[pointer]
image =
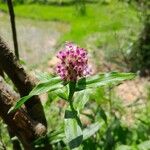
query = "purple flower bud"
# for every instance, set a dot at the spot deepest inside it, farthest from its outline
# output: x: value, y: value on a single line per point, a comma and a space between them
x: 73, y: 62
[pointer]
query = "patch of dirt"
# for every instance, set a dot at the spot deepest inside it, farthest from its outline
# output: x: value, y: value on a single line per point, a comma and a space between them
x: 37, y: 39
x: 133, y: 90
x: 1, y: 14
x: 133, y: 94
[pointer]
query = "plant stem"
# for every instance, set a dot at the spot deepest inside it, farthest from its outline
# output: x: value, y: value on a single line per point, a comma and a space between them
x: 110, y: 100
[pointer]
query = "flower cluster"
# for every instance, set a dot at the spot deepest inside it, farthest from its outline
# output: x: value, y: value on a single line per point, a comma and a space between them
x: 73, y: 63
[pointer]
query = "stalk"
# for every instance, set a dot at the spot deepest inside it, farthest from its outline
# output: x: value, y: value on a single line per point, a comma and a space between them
x: 72, y: 87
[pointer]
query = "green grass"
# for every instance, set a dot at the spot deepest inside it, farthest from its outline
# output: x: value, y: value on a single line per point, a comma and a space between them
x: 110, y: 28
x: 100, y: 18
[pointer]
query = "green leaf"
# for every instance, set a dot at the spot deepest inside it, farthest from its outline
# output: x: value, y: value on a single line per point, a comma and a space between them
x: 103, y: 79
x: 62, y: 93
x: 52, y: 137
x: 144, y: 145
x: 51, y: 97
x: 81, y: 84
x: 70, y: 114
x: 56, y: 136
x: 22, y: 62
x: 43, y: 76
x: 91, y: 130
x: 58, y: 94
x: 81, y: 98
x: 123, y: 147
x: 19, y: 103
x: 73, y: 133
x: 99, y: 95
x: 102, y: 114
x: 49, y: 86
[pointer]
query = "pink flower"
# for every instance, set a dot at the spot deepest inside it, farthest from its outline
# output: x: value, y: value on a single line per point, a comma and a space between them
x: 73, y: 62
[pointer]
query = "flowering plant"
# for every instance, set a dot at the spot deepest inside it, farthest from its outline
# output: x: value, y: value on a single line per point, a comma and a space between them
x: 73, y: 63
x: 74, y: 84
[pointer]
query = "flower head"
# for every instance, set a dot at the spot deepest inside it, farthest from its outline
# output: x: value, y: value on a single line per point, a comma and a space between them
x: 73, y: 62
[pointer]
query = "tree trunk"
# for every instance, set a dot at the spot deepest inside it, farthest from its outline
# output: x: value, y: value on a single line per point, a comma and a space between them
x: 1, y: 72
x: 26, y: 129
x: 15, y: 142
x: 22, y: 81
x: 27, y: 126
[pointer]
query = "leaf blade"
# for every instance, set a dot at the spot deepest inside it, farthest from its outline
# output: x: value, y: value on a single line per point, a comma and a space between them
x: 51, y: 85
x: 103, y: 80
x: 91, y: 130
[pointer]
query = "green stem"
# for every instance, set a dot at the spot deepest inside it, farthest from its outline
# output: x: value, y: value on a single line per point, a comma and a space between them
x: 72, y: 86
x: 110, y: 100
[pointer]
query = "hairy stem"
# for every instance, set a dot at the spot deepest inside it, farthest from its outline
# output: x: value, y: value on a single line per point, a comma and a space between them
x: 72, y: 86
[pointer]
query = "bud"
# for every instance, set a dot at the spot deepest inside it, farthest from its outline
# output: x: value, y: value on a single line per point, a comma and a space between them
x: 73, y: 62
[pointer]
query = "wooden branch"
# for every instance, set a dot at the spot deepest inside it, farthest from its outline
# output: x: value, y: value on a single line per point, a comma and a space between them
x: 22, y: 81
x: 1, y: 72
x: 15, y: 142
x: 13, y: 27
x: 26, y: 129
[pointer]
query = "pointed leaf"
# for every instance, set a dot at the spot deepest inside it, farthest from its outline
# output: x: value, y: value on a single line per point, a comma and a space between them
x: 49, y: 86
x: 73, y: 133
x: 91, y: 130
x: 81, y: 98
x: 62, y: 93
x: 70, y: 114
x: 103, y: 79
x: 43, y: 76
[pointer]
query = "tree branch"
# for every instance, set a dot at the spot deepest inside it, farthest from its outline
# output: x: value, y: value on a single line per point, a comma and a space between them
x: 22, y: 81
x: 26, y: 129
x: 13, y: 27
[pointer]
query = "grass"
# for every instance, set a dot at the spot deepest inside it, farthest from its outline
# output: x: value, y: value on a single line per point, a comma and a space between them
x: 100, y: 18
x: 110, y: 28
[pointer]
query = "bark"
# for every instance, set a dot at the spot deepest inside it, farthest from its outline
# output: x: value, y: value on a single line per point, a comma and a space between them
x: 22, y: 81
x: 1, y: 72
x: 13, y: 27
x: 24, y: 127
x: 15, y: 142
